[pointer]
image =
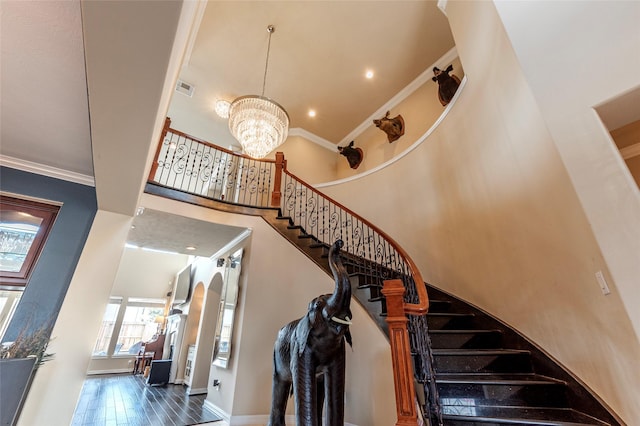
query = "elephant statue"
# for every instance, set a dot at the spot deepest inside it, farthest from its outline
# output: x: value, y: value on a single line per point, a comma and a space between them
x: 309, y: 356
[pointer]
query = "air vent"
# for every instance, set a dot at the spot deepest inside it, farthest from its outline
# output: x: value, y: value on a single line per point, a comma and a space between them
x: 185, y: 88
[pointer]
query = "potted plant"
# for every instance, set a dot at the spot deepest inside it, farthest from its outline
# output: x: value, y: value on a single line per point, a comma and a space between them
x: 18, y: 361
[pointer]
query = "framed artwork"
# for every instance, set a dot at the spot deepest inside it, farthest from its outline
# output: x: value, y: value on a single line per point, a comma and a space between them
x: 24, y: 227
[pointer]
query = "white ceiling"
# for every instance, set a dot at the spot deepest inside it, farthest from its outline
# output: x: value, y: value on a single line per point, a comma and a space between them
x: 75, y: 75
x: 43, y: 103
x: 162, y: 231
x: 319, y: 54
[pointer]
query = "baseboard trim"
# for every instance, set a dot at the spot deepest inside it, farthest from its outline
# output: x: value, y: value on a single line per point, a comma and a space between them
x: 256, y: 420
x: 116, y: 371
x: 196, y: 391
x: 263, y: 420
x: 216, y: 410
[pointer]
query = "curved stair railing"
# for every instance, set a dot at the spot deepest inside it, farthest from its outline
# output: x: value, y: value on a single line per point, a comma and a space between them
x: 193, y: 166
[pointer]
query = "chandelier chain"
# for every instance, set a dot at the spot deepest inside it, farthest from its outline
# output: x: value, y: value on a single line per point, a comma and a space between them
x: 270, y: 29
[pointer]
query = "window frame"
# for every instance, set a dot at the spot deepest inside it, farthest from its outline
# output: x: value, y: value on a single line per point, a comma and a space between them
x: 45, y: 211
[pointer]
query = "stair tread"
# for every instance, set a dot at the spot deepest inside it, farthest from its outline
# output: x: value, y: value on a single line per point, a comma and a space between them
x: 518, y: 415
x: 498, y: 379
x: 449, y: 314
x: 461, y: 331
x: 464, y: 352
x: 319, y: 245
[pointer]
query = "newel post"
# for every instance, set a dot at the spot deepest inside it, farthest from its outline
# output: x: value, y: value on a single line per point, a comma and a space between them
x: 277, y: 181
x: 400, y: 353
x: 154, y: 165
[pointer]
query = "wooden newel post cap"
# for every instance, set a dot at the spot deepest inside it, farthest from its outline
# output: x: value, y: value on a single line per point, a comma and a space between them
x: 394, y: 292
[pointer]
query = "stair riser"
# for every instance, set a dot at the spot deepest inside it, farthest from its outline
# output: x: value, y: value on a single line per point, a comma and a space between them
x: 439, y: 306
x: 510, y: 395
x: 466, y: 340
x: 445, y: 322
x: 507, y: 363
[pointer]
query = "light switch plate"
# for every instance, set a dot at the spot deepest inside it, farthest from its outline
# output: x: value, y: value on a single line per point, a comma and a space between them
x: 603, y: 283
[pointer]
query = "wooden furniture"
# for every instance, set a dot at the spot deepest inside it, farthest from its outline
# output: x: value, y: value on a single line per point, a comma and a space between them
x: 159, y: 372
x: 191, y: 352
x: 155, y: 345
x: 150, y: 351
x: 143, y: 360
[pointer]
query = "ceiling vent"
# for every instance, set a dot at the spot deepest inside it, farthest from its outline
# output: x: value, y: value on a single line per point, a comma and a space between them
x: 185, y: 88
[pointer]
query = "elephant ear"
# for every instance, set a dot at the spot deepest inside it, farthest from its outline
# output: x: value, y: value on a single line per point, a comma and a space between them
x: 302, y: 333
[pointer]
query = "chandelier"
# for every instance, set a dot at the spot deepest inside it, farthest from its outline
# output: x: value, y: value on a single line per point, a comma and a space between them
x: 257, y: 122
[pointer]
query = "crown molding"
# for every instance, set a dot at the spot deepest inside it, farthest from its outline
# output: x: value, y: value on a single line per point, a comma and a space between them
x: 299, y: 131
x: 392, y: 103
x: 630, y: 151
x: 398, y: 157
x: 401, y: 95
x: 42, y: 169
x: 442, y: 5
x: 198, y: 14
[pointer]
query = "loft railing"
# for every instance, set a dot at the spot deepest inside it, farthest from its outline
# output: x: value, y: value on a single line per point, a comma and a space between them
x: 197, y: 167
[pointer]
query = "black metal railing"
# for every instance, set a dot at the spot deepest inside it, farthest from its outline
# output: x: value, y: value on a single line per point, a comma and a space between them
x: 373, y: 255
x: 197, y: 167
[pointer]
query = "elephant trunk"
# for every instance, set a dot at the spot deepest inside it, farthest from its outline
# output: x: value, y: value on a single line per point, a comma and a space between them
x: 339, y: 302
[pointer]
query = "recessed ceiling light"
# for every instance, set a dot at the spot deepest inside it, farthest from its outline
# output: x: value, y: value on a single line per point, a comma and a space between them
x: 369, y: 74
x: 190, y: 248
x: 222, y: 108
x: 312, y: 113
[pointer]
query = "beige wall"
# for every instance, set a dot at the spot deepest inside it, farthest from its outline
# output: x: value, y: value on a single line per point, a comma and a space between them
x: 489, y: 212
x: 274, y: 271
x: 271, y: 300
x: 309, y: 161
x: 608, y: 34
x: 420, y: 110
x: 56, y: 386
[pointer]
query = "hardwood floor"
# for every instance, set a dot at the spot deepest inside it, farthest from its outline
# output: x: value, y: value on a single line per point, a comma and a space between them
x: 126, y: 400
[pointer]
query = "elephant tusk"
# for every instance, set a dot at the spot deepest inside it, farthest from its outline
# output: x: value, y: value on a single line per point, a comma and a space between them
x: 345, y: 321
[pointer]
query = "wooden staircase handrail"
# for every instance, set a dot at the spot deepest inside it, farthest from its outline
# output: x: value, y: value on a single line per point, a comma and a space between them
x: 419, y: 308
x: 394, y: 289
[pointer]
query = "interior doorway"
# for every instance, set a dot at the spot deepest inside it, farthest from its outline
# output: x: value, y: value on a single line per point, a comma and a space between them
x: 621, y: 117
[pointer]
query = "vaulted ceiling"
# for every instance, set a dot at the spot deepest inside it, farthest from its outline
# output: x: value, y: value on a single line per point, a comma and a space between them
x: 319, y: 55
x: 85, y: 84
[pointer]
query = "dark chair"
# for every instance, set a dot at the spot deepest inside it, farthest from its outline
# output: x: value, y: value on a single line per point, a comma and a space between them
x: 159, y: 373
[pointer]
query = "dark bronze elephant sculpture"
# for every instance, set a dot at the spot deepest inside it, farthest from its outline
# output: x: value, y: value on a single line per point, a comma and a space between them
x: 309, y: 356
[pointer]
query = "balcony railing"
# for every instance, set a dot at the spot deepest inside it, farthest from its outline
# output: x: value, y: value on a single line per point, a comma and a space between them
x: 197, y: 167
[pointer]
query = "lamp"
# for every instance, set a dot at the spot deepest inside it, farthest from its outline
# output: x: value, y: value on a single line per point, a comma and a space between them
x: 257, y: 122
x: 160, y: 321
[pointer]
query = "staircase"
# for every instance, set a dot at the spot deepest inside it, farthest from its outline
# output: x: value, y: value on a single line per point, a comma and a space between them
x: 485, y: 372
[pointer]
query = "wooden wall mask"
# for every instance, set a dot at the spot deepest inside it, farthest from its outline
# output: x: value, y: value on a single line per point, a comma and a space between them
x: 447, y: 84
x: 354, y: 155
x: 393, y: 127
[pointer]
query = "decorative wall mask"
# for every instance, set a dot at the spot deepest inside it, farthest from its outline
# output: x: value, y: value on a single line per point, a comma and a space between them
x: 354, y: 155
x: 447, y: 84
x: 393, y: 127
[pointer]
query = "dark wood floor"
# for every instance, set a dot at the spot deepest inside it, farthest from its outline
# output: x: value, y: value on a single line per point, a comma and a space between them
x: 126, y: 400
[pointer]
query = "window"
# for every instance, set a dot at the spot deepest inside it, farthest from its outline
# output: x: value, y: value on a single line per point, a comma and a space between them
x: 8, y: 302
x: 125, y: 324
x: 24, y: 227
x: 106, y: 330
x: 139, y: 323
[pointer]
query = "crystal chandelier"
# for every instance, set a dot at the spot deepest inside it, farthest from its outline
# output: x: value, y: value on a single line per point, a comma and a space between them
x: 257, y: 122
